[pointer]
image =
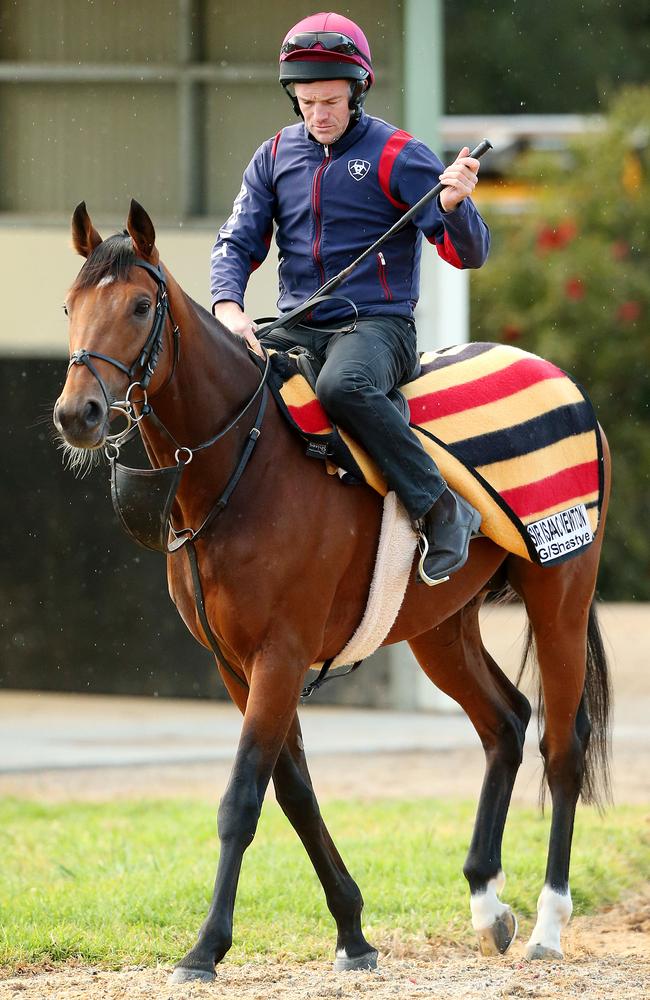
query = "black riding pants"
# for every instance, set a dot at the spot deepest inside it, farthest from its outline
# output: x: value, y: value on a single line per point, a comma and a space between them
x: 359, y: 368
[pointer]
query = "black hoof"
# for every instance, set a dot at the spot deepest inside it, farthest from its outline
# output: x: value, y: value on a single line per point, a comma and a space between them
x: 343, y: 963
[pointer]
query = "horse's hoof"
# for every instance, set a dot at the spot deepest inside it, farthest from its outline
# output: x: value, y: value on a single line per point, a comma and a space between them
x: 496, y: 940
x: 343, y: 963
x: 182, y: 975
x: 538, y: 952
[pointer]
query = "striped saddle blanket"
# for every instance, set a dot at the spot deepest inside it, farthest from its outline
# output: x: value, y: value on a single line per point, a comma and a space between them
x: 509, y: 431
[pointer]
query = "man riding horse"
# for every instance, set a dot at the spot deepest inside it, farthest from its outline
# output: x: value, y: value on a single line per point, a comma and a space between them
x: 332, y: 185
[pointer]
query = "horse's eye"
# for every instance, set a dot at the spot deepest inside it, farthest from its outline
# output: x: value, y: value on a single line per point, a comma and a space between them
x: 142, y: 308
x: 65, y: 309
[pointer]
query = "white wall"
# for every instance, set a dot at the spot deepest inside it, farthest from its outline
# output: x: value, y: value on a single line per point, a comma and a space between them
x: 42, y: 265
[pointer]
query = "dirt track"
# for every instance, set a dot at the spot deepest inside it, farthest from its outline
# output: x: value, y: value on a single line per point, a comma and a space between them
x: 607, y: 955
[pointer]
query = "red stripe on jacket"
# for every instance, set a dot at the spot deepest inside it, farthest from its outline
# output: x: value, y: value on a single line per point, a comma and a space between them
x: 267, y: 242
x: 389, y: 154
x: 569, y: 484
x: 488, y: 389
x: 447, y: 250
x: 274, y: 147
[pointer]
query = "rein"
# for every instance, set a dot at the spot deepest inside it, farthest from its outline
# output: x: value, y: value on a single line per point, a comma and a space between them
x: 132, y: 490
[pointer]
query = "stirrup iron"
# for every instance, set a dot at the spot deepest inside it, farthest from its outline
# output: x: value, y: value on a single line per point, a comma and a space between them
x: 423, y: 546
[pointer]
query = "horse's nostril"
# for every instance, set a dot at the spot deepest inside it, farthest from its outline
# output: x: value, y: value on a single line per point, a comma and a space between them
x: 92, y: 413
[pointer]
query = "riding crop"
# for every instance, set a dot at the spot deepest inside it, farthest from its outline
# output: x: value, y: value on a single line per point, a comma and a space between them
x: 287, y: 320
x: 334, y: 282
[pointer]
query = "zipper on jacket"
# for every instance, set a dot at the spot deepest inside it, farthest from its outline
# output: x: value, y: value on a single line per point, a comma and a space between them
x: 381, y: 268
x: 316, y: 209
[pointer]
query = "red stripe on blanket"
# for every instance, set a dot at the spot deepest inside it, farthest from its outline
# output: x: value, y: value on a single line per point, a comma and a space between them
x: 569, y: 484
x: 488, y: 389
x: 311, y: 417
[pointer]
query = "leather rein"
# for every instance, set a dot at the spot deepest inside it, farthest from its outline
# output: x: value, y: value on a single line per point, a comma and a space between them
x: 132, y: 490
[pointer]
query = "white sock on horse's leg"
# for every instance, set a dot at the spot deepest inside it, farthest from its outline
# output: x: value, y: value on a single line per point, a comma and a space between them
x: 553, y: 912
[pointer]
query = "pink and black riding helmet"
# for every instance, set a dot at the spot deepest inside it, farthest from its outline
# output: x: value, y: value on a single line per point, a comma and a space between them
x: 327, y: 47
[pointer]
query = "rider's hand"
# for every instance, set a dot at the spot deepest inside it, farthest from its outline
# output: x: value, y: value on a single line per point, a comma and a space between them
x: 238, y: 322
x: 460, y: 178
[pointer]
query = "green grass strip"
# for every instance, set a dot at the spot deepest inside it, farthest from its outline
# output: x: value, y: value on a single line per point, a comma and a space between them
x: 129, y: 883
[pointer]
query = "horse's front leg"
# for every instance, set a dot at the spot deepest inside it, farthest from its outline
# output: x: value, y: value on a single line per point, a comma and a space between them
x: 270, y: 707
x: 295, y: 794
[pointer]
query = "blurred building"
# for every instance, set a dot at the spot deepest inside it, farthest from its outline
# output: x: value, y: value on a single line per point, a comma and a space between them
x: 104, y: 101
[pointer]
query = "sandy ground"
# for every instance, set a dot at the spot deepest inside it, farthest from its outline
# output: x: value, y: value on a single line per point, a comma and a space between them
x: 607, y: 955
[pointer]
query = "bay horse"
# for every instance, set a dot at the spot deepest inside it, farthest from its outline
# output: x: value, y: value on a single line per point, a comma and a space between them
x: 285, y: 570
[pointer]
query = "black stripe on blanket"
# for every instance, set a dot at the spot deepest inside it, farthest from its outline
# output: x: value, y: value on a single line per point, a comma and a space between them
x: 539, y: 432
x: 444, y: 360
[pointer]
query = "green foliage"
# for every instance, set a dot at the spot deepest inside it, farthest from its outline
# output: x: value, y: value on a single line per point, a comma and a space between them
x: 569, y: 280
x: 513, y: 56
x: 124, y: 883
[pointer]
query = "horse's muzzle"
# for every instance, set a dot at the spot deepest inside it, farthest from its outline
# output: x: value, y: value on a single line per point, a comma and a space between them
x: 81, y: 423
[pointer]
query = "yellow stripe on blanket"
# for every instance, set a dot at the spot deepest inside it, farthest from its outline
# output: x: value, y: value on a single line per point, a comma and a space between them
x: 547, y: 461
x: 508, y: 430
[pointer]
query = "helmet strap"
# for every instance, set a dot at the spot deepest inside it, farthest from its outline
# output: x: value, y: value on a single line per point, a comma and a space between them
x: 292, y: 97
x: 358, y: 93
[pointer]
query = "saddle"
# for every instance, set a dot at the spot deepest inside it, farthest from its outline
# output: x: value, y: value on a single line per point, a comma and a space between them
x: 510, y: 432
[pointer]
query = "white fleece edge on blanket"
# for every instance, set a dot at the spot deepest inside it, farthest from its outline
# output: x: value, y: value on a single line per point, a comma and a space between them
x: 397, y: 544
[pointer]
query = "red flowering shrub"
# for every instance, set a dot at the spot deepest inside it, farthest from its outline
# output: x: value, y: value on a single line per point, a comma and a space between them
x: 629, y: 312
x: 575, y: 289
x: 568, y: 279
x: 556, y: 237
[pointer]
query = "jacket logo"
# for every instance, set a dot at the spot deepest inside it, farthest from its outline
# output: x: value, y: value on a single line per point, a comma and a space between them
x: 358, y: 169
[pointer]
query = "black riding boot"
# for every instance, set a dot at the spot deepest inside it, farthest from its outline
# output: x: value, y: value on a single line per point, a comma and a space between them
x: 445, y: 534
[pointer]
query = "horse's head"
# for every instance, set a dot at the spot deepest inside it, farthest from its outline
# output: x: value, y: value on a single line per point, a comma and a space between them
x: 118, y: 312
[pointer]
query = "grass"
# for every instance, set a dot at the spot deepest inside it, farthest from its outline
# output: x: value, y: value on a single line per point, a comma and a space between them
x: 129, y: 883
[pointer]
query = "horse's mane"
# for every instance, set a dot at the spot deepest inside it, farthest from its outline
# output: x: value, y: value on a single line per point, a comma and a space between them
x: 113, y: 258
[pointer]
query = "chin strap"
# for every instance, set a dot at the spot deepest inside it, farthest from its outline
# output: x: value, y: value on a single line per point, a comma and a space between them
x: 357, y: 98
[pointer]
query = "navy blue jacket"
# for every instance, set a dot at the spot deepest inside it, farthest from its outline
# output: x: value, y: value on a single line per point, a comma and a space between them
x: 328, y: 205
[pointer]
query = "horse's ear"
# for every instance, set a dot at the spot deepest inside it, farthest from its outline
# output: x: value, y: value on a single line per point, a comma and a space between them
x: 142, y: 233
x: 85, y: 237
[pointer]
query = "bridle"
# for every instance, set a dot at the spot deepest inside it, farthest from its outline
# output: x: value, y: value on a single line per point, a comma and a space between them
x: 145, y: 363
x: 127, y: 495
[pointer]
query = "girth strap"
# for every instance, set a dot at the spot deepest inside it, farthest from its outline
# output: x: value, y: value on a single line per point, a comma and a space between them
x: 323, y: 678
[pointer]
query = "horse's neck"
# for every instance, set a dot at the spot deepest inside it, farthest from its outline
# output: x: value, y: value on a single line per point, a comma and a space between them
x: 212, y: 382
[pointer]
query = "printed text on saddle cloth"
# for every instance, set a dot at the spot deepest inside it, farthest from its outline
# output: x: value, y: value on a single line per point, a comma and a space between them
x: 560, y: 534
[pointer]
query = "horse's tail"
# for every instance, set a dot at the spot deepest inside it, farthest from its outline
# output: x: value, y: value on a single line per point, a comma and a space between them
x: 595, y: 703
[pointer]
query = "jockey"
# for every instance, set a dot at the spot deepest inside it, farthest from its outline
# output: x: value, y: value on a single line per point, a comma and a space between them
x: 332, y: 185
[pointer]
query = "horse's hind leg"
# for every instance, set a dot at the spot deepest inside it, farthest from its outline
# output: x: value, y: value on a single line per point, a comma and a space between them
x: 295, y: 794
x: 569, y: 652
x: 453, y: 656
